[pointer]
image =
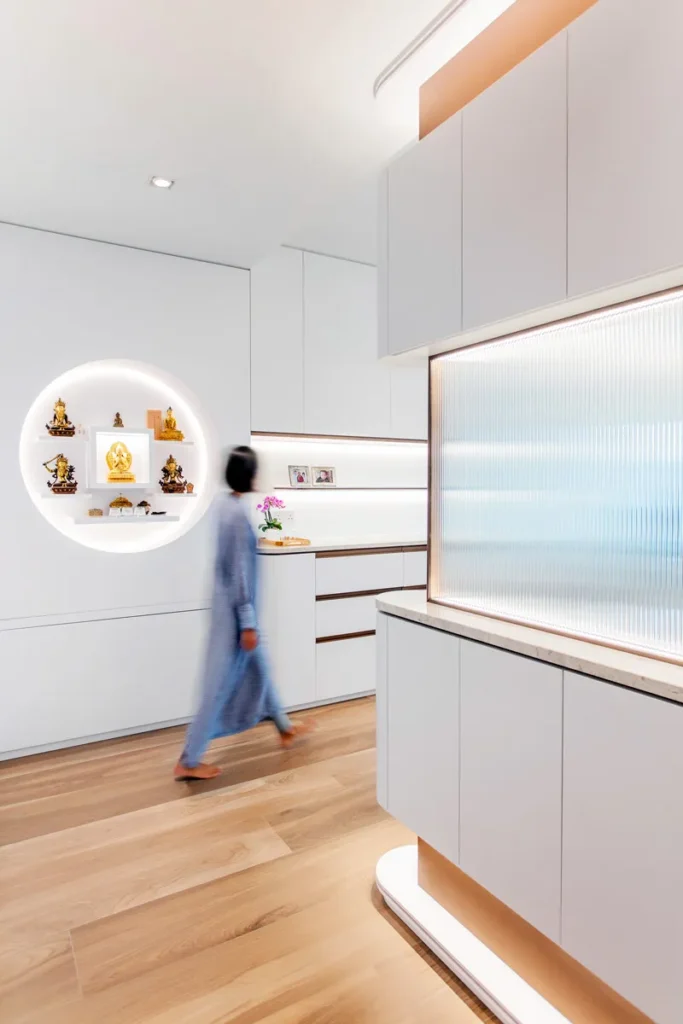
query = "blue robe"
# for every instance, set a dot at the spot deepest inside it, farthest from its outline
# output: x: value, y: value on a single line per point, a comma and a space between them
x: 237, y: 688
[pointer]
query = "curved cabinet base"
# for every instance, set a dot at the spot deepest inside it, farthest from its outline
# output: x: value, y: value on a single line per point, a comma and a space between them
x: 485, y: 974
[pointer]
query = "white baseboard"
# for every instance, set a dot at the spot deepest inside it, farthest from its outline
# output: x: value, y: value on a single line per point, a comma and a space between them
x: 485, y: 974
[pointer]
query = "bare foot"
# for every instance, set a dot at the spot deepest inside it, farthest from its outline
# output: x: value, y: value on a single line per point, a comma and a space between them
x: 182, y: 773
x: 297, y: 732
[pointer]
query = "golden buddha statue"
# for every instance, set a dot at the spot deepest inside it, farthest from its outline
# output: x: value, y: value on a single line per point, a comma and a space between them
x: 172, y: 479
x: 170, y: 430
x: 61, y: 425
x: 118, y: 422
x: 62, y: 473
x: 119, y: 460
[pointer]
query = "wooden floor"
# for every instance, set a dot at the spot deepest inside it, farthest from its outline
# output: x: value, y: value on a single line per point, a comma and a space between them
x: 126, y: 898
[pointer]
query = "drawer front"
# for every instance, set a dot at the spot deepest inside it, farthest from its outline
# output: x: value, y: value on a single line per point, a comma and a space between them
x: 356, y: 573
x: 415, y: 569
x: 345, y: 668
x: 345, y: 615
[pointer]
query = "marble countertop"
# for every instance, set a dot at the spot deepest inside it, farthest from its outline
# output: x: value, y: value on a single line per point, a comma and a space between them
x: 343, y: 546
x: 635, y: 671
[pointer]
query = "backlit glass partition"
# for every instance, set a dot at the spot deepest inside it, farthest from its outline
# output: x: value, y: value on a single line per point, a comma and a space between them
x: 557, y: 477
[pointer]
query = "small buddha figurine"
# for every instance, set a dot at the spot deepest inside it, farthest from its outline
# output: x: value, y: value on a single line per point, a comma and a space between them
x: 172, y: 479
x: 118, y: 422
x: 61, y: 425
x: 119, y: 460
x: 62, y: 472
x: 170, y: 430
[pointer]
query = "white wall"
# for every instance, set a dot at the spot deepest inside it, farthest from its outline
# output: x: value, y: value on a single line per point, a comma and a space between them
x: 63, y: 302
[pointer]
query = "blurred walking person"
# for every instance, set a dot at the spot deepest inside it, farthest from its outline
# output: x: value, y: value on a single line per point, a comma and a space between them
x: 238, y: 691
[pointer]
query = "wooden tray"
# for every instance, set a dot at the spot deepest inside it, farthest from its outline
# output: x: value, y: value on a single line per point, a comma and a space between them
x: 285, y: 542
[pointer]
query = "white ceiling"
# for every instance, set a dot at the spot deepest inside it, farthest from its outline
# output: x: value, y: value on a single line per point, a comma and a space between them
x: 261, y: 110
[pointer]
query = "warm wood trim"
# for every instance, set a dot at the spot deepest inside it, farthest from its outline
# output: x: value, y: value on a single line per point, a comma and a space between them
x: 508, y: 41
x: 345, y: 636
x: 335, y: 488
x: 561, y: 980
x: 337, y: 437
x: 355, y: 552
x: 367, y: 593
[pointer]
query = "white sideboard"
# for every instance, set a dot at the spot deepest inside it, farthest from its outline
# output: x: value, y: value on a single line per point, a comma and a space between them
x: 319, y: 617
x: 556, y: 791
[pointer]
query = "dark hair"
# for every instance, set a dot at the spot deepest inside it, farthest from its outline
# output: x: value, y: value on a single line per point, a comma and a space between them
x: 241, y: 469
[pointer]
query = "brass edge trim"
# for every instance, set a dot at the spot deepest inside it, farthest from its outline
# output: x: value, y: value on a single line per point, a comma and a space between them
x: 355, y: 552
x: 345, y: 636
x: 367, y: 593
x: 337, y: 437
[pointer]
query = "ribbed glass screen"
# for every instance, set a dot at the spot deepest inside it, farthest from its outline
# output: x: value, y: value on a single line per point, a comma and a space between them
x: 557, y: 477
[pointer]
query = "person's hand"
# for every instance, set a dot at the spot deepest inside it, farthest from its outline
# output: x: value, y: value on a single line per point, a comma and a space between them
x: 249, y: 640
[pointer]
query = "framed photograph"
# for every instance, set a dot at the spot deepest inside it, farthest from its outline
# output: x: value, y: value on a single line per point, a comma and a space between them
x: 299, y: 476
x: 324, y: 476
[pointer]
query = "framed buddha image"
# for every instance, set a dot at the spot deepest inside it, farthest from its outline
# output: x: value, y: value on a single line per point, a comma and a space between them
x: 120, y: 458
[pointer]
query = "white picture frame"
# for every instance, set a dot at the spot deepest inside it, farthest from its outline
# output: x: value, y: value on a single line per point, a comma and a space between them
x: 295, y: 475
x: 139, y: 441
x: 323, y: 476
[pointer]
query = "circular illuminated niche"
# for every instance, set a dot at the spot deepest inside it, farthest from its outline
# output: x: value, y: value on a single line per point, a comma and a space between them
x: 94, y: 393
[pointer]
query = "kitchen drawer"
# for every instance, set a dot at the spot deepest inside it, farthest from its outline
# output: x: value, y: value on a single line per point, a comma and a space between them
x: 414, y: 568
x: 345, y: 668
x: 345, y: 615
x: 353, y: 574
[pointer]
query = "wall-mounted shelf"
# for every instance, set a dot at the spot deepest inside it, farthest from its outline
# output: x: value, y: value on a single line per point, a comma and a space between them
x: 335, y: 437
x: 176, y: 444
x: 58, y: 440
x: 124, y: 520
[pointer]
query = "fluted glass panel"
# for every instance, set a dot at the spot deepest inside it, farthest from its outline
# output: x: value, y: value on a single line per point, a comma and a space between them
x: 557, y: 477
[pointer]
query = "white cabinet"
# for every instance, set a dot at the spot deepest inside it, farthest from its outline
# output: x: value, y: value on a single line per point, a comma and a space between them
x: 288, y: 617
x: 622, y: 908
x: 511, y: 780
x: 346, y: 388
x: 353, y: 574
x: 422, y: 727
x: 515, y: 190
x: 277, y: 385
x: 410, y: 402
x: 345, y: 668
x: 625, y: 142
x: 424, y: 241
x: 414, y: 568
x: 345, y: 615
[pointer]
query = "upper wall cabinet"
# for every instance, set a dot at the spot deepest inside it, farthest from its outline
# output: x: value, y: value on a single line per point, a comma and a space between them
x: 625, y: 142
x: 423, y: 247
x: 346, y: 389
x: 277, y: 386
x: 515, y: 190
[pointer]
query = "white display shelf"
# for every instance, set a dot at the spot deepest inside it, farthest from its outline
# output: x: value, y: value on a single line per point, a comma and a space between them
x: 176, y: 444
x: 58, y: 440
x: 160, y: 494
x: 61, y: 497
x: 124, y: 520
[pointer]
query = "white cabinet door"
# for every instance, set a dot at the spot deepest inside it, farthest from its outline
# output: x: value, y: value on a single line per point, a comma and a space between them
x: 345, y: 668
x: 515, y: 190
x: 381, y: 707
x: 414, y: 568
x: 422, y: 727
x: 622, y: 906
x: 353, y: 574
x: 277, y: 387
x: 511, y: 780
x: 625, y: 142
x: 410, y: 402
x: 424, y: 251
x: 346, y: 388
x: 288, y: 617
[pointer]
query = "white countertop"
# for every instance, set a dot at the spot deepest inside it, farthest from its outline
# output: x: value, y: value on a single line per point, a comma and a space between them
x: 343, y: 546
x: 632, y: 670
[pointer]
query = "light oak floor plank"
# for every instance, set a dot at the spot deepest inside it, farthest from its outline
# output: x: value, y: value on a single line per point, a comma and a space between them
x: 128, y: 899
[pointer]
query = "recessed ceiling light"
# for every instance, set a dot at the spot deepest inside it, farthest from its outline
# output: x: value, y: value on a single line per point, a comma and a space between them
x: 161, y: 182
